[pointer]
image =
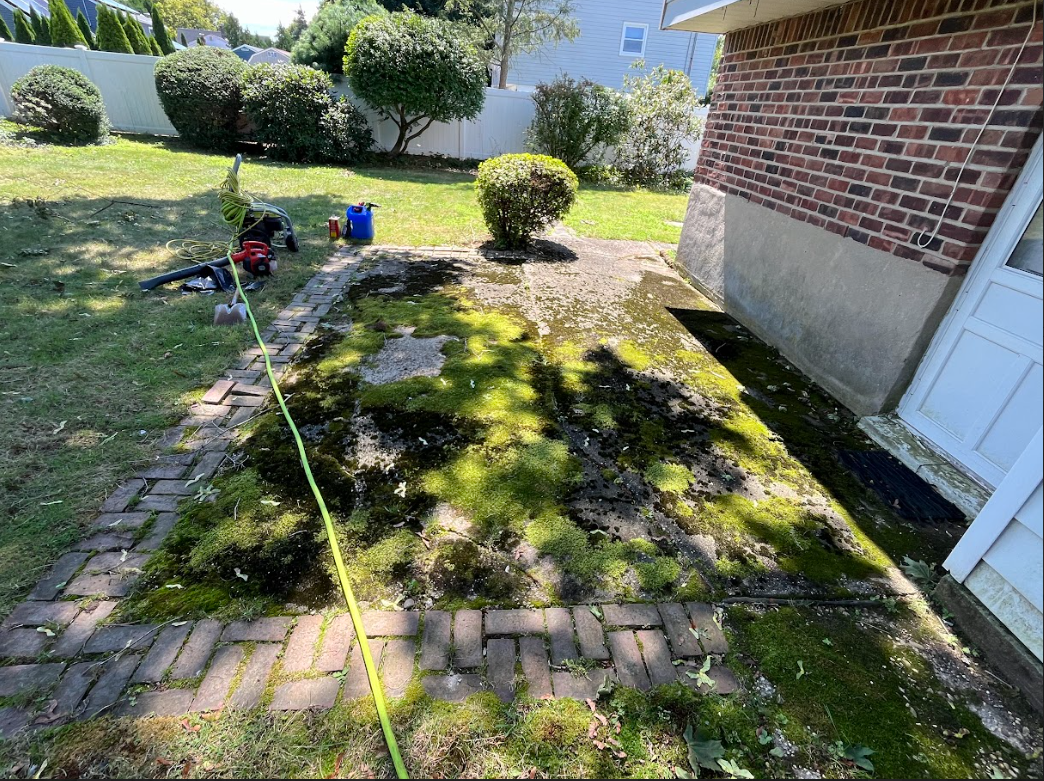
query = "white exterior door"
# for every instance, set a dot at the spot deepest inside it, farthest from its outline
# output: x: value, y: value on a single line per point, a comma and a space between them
x: 978, y: 392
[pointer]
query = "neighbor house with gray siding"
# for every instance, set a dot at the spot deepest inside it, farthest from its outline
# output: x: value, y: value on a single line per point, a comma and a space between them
x: 613, y: 35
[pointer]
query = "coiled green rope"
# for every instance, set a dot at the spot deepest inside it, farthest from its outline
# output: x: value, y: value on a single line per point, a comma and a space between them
x: 342, y: 573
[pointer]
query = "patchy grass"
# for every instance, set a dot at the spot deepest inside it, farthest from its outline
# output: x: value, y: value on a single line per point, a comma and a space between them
x: 93, y: 370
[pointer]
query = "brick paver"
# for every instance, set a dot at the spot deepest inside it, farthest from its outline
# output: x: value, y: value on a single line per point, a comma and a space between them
x: 514, y: 622
x: 500, y: 667
x: 310, y: 694
x: 61, y: 573
x: 631, y: 615
x: 77, y: 633
x: 336, y: 642
x: 535, y: 669
x: 109, y: 639
x: 435, y: 645
x: 677, y: 626
x: 378, y: 623
x: 657, y: 656
x: 162, y: 654
x: 590, y: 634
x: 397, y: 666
x: 196, y: 653
x: 255, y: 676
x: 114, y: 677
x: 560, y: 631
x: 19, y: 678
x: 467, y: 638
x: 218, y: 681
x: 711, y: 637
x: 628, y: 660
x: 300, y: 650
x: 41, y: 613
x: 268, y: 630
x: 454, y: 687
x: 172, y: 702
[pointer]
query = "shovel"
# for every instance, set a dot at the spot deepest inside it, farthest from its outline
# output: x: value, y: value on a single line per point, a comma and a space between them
x: 230, y: 314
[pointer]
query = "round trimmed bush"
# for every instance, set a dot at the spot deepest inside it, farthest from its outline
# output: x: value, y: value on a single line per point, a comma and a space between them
x: 200, y: 89
x: 293, y: 115
x: 285, y: 104
x: 61, y: 101
x: 522, y: 194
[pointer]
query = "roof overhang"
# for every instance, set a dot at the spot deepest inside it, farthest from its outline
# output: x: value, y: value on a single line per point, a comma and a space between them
x: 722, y: 16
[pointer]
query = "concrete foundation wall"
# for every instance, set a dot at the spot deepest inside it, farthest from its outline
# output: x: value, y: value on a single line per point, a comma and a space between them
x: 855, y: 319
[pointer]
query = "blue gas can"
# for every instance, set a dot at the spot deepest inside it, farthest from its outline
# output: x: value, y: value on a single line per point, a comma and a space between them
x: 359, y: 222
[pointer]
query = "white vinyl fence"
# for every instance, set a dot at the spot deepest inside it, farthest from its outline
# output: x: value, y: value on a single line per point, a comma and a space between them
x: 124, y: 80
x: 129, y: 90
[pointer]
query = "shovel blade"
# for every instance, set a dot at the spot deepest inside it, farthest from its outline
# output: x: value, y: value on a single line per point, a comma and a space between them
x: 230, y: 315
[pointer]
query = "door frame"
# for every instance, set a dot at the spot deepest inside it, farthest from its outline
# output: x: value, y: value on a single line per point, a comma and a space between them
x: 1018, y: 209
x: 1013, y: 492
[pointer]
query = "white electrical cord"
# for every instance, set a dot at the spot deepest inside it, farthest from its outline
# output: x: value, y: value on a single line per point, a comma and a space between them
x: 935, y: 232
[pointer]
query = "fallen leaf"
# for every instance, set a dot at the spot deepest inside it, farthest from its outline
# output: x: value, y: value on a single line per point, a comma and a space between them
x: 173, y: 585
x: 189, y: 726
x: 60, y: 427
x: 195, y: 479
x: 239, y: 574
x: 271, y: 502
x: 48, y: 504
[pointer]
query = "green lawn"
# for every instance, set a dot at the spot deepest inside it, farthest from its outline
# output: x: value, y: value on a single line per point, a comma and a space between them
x: 92, y: 370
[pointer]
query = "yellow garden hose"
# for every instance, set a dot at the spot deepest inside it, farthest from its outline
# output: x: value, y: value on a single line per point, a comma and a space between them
x: 230, y: 215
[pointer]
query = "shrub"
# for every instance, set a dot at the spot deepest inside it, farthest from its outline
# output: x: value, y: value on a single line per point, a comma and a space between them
x: 5, y: 31
x: 346, y: 133
x: 521, y: 194
x: 61, y: 101
x: 159, y: 31
x: 322, y: 43
x: 200, y: 89
x: 135, y: 34
x: 662, y: 108
x: 23, y: 28
x: 64, y: 32
x: 111, y: 36
x: 41, y: 28
x: 575, y: 118
x: 414, y: 71
x: 85, y: 28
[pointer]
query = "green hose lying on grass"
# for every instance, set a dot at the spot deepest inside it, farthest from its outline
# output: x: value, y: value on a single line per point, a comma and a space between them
x: 234, y: 206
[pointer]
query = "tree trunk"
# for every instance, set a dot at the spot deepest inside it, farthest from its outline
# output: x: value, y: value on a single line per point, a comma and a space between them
x: 505, y: 45
x: 400, y: 141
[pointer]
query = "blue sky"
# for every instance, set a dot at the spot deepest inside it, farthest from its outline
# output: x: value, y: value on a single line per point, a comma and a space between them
x: 262, y: 16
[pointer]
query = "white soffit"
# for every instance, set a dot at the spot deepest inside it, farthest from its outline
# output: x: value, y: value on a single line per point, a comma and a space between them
x: 722, y: 16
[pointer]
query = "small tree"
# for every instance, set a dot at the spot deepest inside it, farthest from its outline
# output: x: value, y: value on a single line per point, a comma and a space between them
x: 23, y: 28
x: 5, y: 31
x: 518, y: 26
x: 85, y: 29
x: 41, y: 28
x: 155, y: 47
x: 136, y: 35
x: 111, y: 36
x: 64, y: 31
x: 574, y: 119
x: 183, y: 41
x: 159, y: 30
x: 414, y: 71
x: 662, y: 108
x: 322, y: 44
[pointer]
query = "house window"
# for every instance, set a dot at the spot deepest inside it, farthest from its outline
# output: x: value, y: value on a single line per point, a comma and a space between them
x: 632, y: 41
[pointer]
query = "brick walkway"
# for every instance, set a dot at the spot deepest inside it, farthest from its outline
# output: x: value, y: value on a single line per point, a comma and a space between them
x: 59, y: 648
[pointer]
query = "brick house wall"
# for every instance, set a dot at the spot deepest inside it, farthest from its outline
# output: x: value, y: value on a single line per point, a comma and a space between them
x: 857, y: 119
